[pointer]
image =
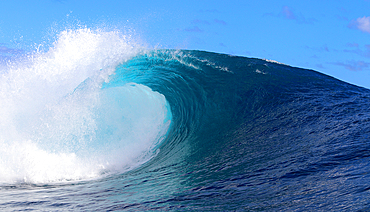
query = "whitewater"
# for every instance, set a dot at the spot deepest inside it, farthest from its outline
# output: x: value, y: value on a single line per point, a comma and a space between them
x: 97, y: 122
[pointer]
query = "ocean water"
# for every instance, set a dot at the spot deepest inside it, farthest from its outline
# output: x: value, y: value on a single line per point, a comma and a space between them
x: 98, y: 123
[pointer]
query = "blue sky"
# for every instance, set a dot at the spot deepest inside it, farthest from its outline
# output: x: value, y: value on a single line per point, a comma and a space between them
x: 331, y: 36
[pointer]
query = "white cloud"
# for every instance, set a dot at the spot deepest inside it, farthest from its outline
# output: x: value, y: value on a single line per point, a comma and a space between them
x: 193, y: 29
x: 218, y: 21
x: 354, y: 65
x: 5, y: 50
x: 288, y: 13
x: 362, y: 24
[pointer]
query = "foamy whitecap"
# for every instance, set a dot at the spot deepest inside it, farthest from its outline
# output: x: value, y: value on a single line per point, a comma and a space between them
x: 58, y: 124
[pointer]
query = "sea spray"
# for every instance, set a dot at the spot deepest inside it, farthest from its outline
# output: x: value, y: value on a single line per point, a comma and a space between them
x: 58, y: 124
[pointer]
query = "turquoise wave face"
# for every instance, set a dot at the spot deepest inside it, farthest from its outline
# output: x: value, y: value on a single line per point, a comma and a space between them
x: 248, y: 133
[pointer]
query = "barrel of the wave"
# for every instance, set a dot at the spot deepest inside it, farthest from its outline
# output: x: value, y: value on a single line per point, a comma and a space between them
x: 204, y: 104
x: 132, y: 121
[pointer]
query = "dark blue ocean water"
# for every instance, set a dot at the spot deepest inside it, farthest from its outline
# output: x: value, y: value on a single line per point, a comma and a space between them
x: 245, y: 134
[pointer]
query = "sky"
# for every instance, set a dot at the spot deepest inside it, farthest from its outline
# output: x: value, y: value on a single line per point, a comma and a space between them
x: 330, y: 36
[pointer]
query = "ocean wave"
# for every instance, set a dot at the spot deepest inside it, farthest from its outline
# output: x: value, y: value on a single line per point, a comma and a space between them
x: 180, y: 130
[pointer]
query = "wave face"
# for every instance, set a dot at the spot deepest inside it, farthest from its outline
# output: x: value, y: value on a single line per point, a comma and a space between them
x: 121, y: 128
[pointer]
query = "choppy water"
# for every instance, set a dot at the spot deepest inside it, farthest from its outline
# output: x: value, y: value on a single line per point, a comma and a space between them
x: 97, y: 123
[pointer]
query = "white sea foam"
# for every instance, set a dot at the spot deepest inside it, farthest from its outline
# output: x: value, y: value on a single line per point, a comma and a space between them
x: 57, y: 124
